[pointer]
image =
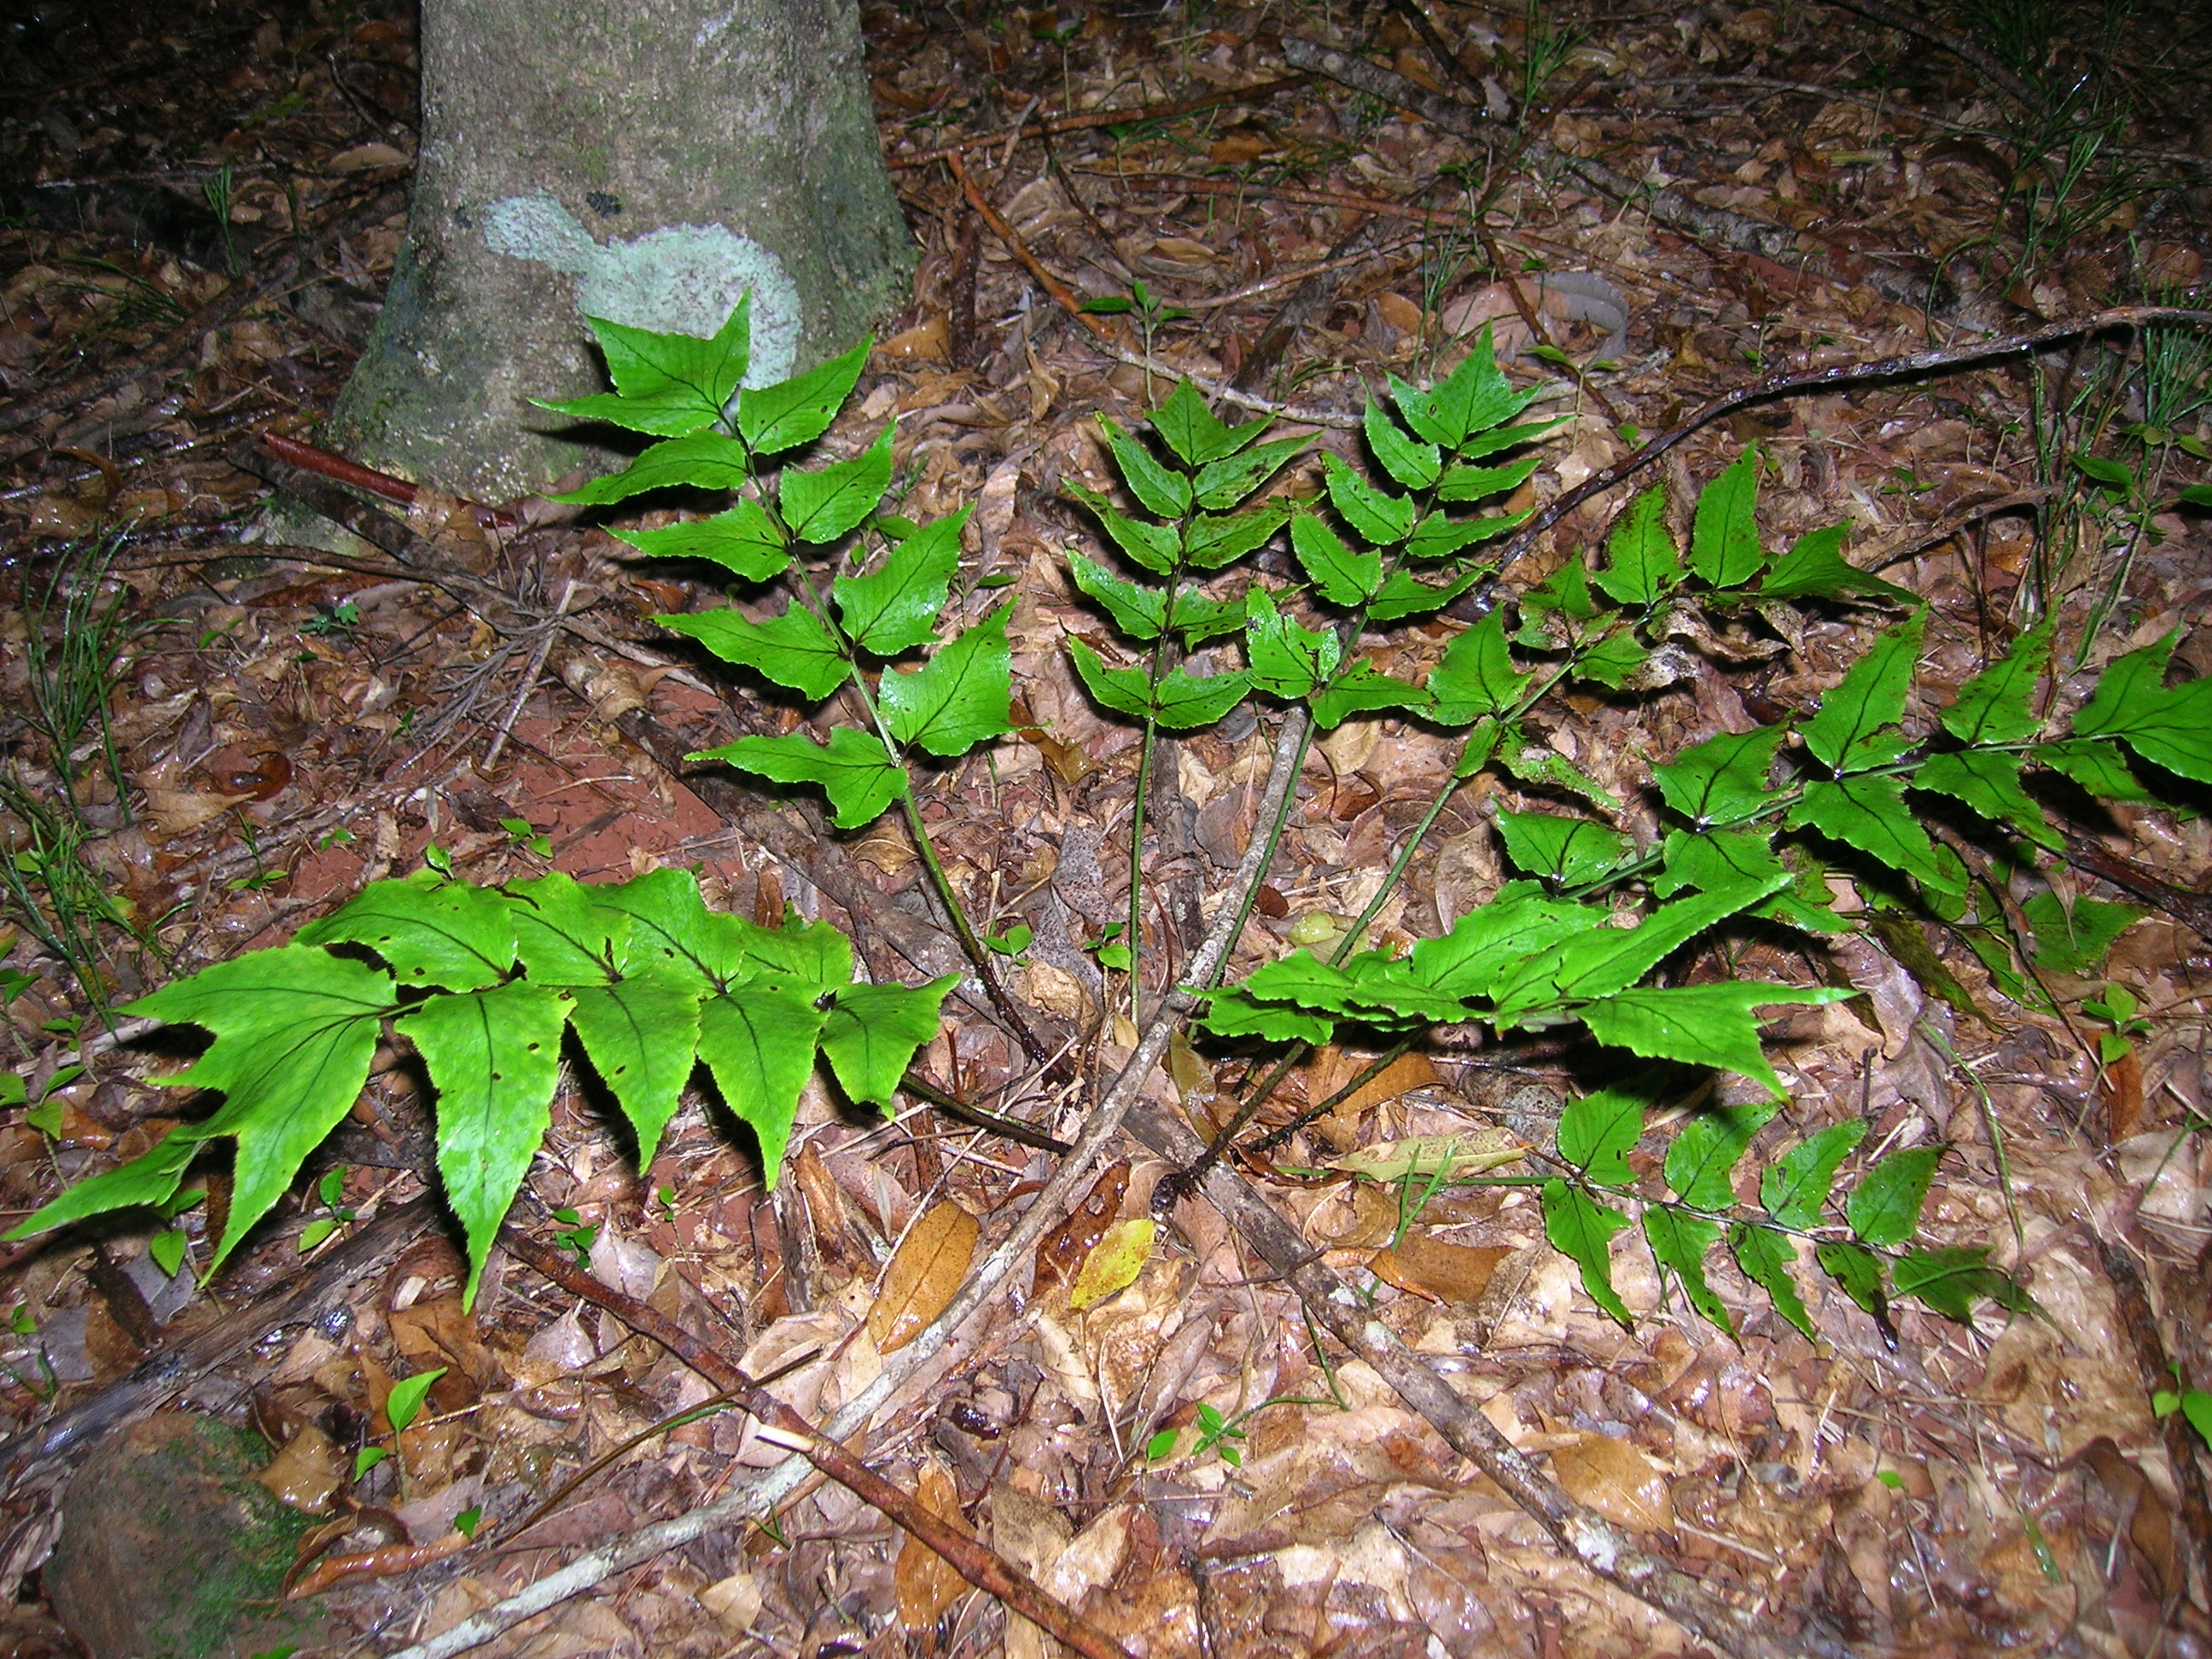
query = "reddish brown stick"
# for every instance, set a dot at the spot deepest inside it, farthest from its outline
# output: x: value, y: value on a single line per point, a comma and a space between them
x: 1150, y: 179
x: 981, y: 1566
x: 1064, y: 296
x: 1102, y: 118
x: 312, y: 460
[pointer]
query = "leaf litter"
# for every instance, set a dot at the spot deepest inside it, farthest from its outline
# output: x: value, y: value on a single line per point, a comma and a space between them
x: 1897, y: 1477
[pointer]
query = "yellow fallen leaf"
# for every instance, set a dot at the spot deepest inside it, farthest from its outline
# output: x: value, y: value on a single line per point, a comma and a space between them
x: 1468, y: 1154
x: 1114, y: 1263
x: 1616, y: 1481
x: 924, y: 1276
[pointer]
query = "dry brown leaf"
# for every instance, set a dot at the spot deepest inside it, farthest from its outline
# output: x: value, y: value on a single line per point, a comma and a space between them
x: 308, y: 1473
x: 734, y: 1602
x: 1471, y: 1153
x: 364, y: 158
x: 1445, y: 1273
x: 924, y: 340
x: 924, y: 1275
x: 1616, y: 1481
x: 1333, y: 1068
x: 1063, y: 1250
x: 925, y: 1581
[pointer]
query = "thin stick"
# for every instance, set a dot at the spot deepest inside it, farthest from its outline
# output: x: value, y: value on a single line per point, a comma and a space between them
x: 1919, y: 365
x: 984, y: 1568
x: 530, y: 674
x: 367, y: 477
x: 1165, y: 181
x: 1098, y: 118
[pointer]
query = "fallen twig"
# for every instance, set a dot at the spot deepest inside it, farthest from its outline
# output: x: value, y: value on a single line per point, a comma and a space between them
x: 1098, y: 118
x: 980, y: 1565
x: 313, y: 460
x: 1918, y: 366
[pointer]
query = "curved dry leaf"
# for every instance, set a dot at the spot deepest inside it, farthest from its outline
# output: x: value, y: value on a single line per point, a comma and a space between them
x: 1114, y: 1263
x: 1616, y: 1481
x: 924, y: 1275
x: 1455, y: 1155
x: 1443, y: 1273
x: 926, y: 1584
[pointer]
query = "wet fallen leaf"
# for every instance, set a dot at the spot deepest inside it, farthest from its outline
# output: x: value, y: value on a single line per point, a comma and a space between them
x: 1114, y: 1263
x: 308, y: 1473
x: 923, y: 1275
x: 1430, y: 1266
x: 1063, y: 1250
x: 1453, y: 1156
x: 1616, y: 1481
x: 923, y: 340
x: 925, y: 1581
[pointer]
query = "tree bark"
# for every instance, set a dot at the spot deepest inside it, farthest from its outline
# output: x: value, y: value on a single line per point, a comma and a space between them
x: 647, y: 162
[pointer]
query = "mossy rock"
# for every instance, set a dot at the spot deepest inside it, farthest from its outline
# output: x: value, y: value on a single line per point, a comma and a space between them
x: 170, y: 1549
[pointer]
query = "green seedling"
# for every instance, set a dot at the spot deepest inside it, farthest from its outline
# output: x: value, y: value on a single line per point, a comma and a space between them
x: 576, y: 1234
x: 2117, y: 1008
x: 522, y: 834
x: 330, y: 1189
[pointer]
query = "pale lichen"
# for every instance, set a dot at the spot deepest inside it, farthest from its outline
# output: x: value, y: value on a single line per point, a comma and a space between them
x: 680, y: 279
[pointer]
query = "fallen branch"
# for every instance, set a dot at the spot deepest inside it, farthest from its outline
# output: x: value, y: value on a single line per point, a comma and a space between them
x: 1098, y: 118
x: 1920, y: 365
x: 982, y: 1567
x: 1056, y: 1197
x: 398, y: 491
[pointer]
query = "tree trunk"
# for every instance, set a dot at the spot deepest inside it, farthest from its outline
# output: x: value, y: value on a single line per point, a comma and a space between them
x: 647, y: 162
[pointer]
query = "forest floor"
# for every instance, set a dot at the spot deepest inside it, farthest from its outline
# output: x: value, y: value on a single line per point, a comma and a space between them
x: 285, y: 726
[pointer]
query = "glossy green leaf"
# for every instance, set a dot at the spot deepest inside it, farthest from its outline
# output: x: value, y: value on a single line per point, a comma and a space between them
x: 1223, y: 484
x: 774, y: 418
x: 873, y: 1031
x: 1571, y: 851
x: 1613, y: 661
x: 1152, y: 547
x: 1362, y: 688
x: 1139, y: 611
x: 564, y: 935
x: 641, y: 1034
x: 1715, y: 859
x: 1413, y: 465
x: 758, y: 1044
x: 895, y: 607
x: 1194, y: 434
x: 1287, y: 661
x: 1232, y: 1013
x: 821, y: 506
x: 1795, y: 1187
x: 1581, y: 1229
x: 1723, y: 779
x: 705, y: 460
x: 1341, y: 575
x: 1884, y: 1209
x: 1857, y: 1272
x: 854, y: 769
x: 1853, y: 730
x: 962, y: 696
x: 1870, y: 813
x: 1989, y: 781
x: 744, y: 540
x: 1707, y: 1148
x: 1212, y: 540
x: 1952, y: 1279
x: 1724, y: 536
x: 1477, y: 675
x: 150, y: 1178
x: 1814, y: 569
x: 666, y: 384
x: 495, y: 1057
x: 1162, y: 493
x: 2075, y: 939
x: 1403, y: 594
x: 2170, y: 728
x: 429, y: 931
x: 404, y: 1403
x: 1472, y: 400
x: 1993, y: 706
x: 1597, y: 1131
x: 1180, y: 702
x: 1375, y: 515
x: 672, y: 934
x: 794, y: 649
x: 1494, y: 940
x: 1698, y: 1024
x: 1679, y: 1244
x: 1440, y: 536
x: 1766, y: 1257
x: 1606, y: 960
x: 2096, y: 765
x: 1475, y: 484
x: 1642, y: 561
